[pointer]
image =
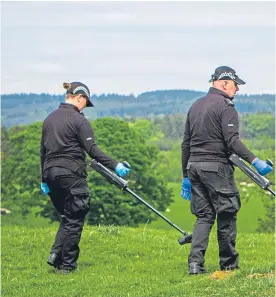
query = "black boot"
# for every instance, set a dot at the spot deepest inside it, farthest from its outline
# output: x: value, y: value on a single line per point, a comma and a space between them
x: 54, y: 260
x: 195, y: 268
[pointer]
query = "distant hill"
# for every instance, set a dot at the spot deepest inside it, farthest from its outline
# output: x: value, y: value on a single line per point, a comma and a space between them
x: 23, y: 109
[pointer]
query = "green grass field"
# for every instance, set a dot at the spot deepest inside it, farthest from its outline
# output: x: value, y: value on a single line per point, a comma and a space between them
x: 145, y: 261
x: 119, y: 261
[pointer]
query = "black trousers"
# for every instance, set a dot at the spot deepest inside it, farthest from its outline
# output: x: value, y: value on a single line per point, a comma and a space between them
x: 214, y: 195
x: 70, y: 195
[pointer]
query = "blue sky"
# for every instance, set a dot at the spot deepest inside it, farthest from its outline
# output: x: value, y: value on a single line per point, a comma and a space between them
x: 134, y: 47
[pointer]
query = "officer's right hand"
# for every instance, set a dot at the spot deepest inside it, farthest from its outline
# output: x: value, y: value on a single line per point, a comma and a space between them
x: 186, y: 188
x: 121, y: 170
x: 45, y: 189
x: 261, y: 166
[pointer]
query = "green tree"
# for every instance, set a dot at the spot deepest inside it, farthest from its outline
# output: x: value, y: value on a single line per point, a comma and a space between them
x: 4, y: 142
x: 144, y: 127
x: 258, y: 125
x: 173, y: 126
x: 108, y: 204
x: 21, y: 170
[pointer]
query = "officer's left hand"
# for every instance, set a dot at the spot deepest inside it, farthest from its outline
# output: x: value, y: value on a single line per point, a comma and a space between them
x: 186, y: 188
x: 45, y: 189
x: 122, y: 170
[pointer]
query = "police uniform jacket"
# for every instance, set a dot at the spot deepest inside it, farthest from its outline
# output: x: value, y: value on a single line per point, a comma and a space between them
x: 66, y: 138
x: 212, y: 131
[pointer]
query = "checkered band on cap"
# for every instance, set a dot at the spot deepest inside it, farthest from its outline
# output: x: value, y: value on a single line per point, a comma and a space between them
x: 81, y: 88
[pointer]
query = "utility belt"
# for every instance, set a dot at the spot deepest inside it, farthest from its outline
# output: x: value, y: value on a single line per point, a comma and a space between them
x: 76, y: 165
x: 208, y: 158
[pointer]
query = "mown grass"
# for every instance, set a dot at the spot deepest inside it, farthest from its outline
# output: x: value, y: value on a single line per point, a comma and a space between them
x: 120, y: 261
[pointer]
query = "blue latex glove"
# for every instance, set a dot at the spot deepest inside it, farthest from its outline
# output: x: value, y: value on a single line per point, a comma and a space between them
x: 121, y: 170
x: 44, y: 187
x: 261, y: 166
x: 186, y: 189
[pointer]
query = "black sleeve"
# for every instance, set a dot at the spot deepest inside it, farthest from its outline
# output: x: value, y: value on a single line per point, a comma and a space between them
x: 185, y: 146
x: 230, y: 130
x: 86, y: 139
x: 42, y: 154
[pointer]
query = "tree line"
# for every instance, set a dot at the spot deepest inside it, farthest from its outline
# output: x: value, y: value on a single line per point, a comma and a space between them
x: 22, y: 109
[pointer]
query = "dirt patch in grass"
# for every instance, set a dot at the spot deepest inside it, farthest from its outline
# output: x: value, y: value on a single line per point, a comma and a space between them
x: 221, y: 275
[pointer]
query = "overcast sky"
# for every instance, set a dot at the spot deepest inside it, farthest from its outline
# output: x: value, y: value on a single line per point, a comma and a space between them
x: 134, y: 47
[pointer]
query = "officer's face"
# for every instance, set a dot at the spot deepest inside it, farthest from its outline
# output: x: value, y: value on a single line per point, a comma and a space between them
x: 231, y: 88
x: 82, y: 102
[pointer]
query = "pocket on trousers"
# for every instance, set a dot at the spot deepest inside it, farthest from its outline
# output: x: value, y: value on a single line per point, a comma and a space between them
x: 228, y: 201
x: 80, y: 201
x: 210, y: 167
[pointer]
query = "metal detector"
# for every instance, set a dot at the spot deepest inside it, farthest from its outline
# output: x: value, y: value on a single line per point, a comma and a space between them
x: 123, y: 185
x: 256, y: 177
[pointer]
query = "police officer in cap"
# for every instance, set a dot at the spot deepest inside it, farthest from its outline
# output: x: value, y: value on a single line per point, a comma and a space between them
x: 66, y: 138
x: 211, y: 135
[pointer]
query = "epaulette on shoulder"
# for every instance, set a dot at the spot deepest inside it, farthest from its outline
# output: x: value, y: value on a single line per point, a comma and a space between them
x: 229, y: 102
